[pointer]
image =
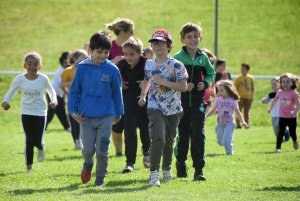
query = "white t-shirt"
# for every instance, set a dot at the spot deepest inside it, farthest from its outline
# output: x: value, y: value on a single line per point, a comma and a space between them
x: 33, y: 100
x: 56, y: 82
x: 269, y: 99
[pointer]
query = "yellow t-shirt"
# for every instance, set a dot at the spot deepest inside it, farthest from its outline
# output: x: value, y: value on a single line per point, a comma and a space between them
x: 68, y: 74
x: 245, y: 86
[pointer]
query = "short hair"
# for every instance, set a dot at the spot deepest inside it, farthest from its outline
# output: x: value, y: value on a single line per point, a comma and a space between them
x: 63, y: 57
x: 120, y: 24
x: 220, y: 62
x: 76, y: 54
x: 212, y: 58
x: 189, y: 27
x: 100, y: 40
x: 246, y: 65
x: 147, y: 50
x: 34, y: 55
x: 133, y: 43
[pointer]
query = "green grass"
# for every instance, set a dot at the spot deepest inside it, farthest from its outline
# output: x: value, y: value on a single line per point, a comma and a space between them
x: 263, y: 33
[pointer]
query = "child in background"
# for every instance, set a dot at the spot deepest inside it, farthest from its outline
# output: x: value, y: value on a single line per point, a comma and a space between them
x: 244, y: 85
x: 95, y: 101
x: 275, y: 112
x: 289, y: 106
x: 165, y: 78
x: 222, y: 73
x: 191, y: 126
x: 33, y: 105
x: 66, y: 80
x: 132, y: 70
x: 59, y: 110
x: 123, y: 29
x: 148, y: 53
x: 226, y: 104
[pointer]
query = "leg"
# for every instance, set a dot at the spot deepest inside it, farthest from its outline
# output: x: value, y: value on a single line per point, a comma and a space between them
x: 103, y: 126
x: 292, y: 124
x: 50, y: 112
x: 228, y: 138
x: 117, y: 136
x: 61, y: 112
x: 143, y: 123
x: 247, y: 106
x: 130, y: 135
x: 157, y: 134
x: 88, y: 141
x: 241, y: 106
x: 220, y: 133
x: 283, y: 122
x: 28, y: 128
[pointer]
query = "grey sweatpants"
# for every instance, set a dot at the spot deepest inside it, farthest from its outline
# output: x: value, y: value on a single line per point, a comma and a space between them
x: 162, y: 131
x: 225, y: 136
x: 95, y: 139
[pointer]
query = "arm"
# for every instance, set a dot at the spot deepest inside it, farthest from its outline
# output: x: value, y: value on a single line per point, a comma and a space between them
x: 240, y: 118
x: 266, y: 99
x: 180, y: 85
x: 74, y: 93
x: 51, y: 93
x: 211, y: 112
x: 116, y: 86
x: 295, y: 111
x: 273, y: 103
x: 145, y: 88
x: 252, y: 88
x: 14, y: 87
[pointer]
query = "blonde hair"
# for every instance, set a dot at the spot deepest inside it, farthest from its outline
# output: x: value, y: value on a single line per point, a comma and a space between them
x: 34, y: 55
x: 229, y: 87
x: 76, y: 54
x: 189, y: 27
x: 120, y: 24
x: 291, y: 76
x: 134, y: 43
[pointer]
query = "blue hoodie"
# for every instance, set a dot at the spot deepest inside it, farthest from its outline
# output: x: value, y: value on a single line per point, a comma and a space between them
x: 96, y: 90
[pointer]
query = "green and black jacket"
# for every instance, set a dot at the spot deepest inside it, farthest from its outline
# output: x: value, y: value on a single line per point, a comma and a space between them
x: 199, y: 70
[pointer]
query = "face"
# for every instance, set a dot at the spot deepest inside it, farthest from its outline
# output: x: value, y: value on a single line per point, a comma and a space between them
x: 286, y: 83
x: 160, y: 48
x: 192, y: 40
x: 274, y: 85
x: 32, y: 65
x: 222, y: 92
x: 131, y: 56
x: 222, y: 68
x: 244, y: 70
x: 149, y: 55
x: 99, y: 55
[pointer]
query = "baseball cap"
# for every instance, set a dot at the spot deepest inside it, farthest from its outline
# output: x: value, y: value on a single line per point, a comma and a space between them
x: 161, y: 34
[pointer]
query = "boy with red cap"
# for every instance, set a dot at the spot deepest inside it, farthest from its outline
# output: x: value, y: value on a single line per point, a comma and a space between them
x: 165, y: 79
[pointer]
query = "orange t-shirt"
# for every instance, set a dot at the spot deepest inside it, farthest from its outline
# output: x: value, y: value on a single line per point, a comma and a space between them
x: 68, y: 74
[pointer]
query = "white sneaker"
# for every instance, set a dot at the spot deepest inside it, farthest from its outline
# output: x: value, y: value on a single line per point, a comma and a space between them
x: 30, y: 170
x: 167, y: 175
x: 41, y: 155
x: 78, y: 145
x: 154, y: 178
x: 277, y: 151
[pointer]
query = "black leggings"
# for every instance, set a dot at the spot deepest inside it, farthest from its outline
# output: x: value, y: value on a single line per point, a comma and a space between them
x: 33, y: 127
x: 283, y: 122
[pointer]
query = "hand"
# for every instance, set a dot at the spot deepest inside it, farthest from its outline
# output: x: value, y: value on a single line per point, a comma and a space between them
x: 292, y: 113
x: 117, y: 59
x: 141, y: 83
x: 200, y: 86
x: 190, y: 86
x: 269, y: 110
x: 52, y: 104
x: 263, y: 100
x: 142, y: 101
x: 157, y: 79
x: 5, y: 105
x: 115, y: 121
x: 245, y: 125
x: 79, y: 118
x: 124, y: 86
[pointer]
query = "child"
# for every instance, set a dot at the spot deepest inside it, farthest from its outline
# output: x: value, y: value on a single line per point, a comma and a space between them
x: 33, y: 105
x: 95, y: 101
x: 66, y: 80
x: 222, y: 73
x: 226, y: 104
x: 275, y: 112
x: 123, y: 29
x: 191, y: 126
x: 132, y: 70
x: 148, y: 53
x: 59, y: 110
x: 165, y: 78
x: 244, y: 85
x: 289, y: 105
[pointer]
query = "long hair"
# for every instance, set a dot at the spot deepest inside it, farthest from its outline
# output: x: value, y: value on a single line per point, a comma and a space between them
x: 229, y: 87
x: 293, y: 78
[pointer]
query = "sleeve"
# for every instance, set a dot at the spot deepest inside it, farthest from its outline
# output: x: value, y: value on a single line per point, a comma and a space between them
x: 116, y: 85
x: 296, y: 96
x: 147, y: 76
x: 50, y: 90
x: 64, y: 76
x: 14, y: 87
x: 180, y: 71
x: 74, y: 93
x: 235, y: 105
x: 210, y: 73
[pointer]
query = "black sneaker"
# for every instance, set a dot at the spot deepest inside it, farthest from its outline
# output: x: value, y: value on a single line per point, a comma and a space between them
x: 181, y: 170
x: 127, y: 169
x: 198, y: 176
x: 119, y: 154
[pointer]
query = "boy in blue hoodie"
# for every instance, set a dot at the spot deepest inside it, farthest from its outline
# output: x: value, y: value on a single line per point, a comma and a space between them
x: 95, y: 101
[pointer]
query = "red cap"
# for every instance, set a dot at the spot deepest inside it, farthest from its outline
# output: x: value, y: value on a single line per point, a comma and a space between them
x: 161, y: 34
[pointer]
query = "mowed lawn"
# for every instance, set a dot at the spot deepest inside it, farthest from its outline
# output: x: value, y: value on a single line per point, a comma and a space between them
x: 263, y: 33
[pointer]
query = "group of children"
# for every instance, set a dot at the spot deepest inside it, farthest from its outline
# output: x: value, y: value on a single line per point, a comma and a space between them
x: 158, y: 96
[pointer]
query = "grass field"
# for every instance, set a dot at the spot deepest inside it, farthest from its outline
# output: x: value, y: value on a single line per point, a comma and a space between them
x: 263, y: 33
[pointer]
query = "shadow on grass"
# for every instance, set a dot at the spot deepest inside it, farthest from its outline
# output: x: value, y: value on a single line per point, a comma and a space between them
x: 43, y: 190
x: 213, y: 155
x: 281, y: 188
x: 63, y: 158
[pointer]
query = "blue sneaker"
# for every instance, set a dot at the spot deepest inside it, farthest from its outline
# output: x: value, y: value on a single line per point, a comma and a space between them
x: 99, y: 184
